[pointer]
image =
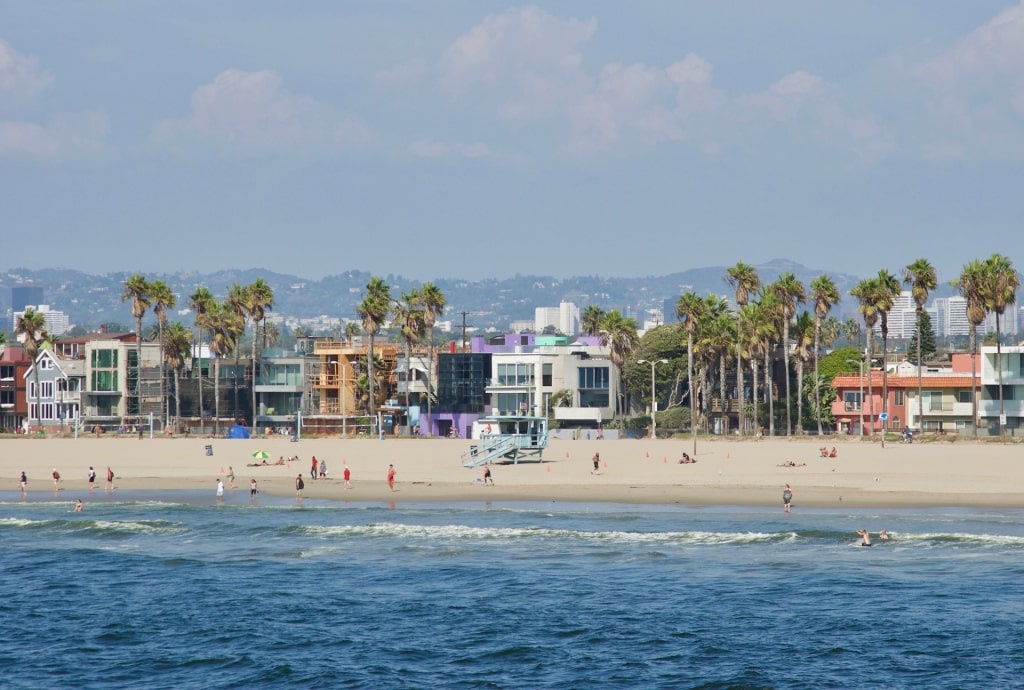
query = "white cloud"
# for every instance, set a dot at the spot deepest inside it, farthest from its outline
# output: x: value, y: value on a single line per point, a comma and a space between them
x: 995, y: 49
x: 26, y: 138
x: 20, y: 76
x: 429, y: 148
x: 251, y: 110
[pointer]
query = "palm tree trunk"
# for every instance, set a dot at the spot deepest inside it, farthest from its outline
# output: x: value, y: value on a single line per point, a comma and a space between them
x: 255, y: 337
x: 689, y: 376
x: 430, y: 378
x: 817, y: 380
x: 753, y: 369
x: 785, y: 359
x: 721, y: 385
x: 200, y: 358
x: 974, y: 377
x: 138, y: 370
x: 769, y: 390
x: 799, y: 397
x: 177, y: 399
x: 369, y: 369
x: 920, y: 399
x: 741, y: 418
x: 999, y: 369
x: 216, y: 396
x: 871, y: 395
x: 164, y: 403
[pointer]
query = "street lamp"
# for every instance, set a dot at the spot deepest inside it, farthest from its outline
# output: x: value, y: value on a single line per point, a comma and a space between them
x: 654, y: 400
x: 860, y: 404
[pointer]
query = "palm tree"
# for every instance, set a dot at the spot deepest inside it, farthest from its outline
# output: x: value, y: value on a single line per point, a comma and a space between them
x: 805, y: 337
x: 260, y: 297
x: 32, y: 326
x: 769, y: 324
x: 825, y: 295
x: 743, y: 278
x: 715, y: 343
x: 889, y: 290
x: 163, y: 299
x: 970, y: 285
x: 373, y: 311
x: 434, y: 303
x: 225, y: 325
x: 136, y: 289
x: 999, y: 290
x: 619, y: 333
x: 199, y: 303
x: 921, y: 277
x: 866, y: 292
x: 790, y: 292
x: 271, y: 334
x: 238, y: 301
x: 690, y: 309
x: 409, y: 315
x: 177, y: 349
x: 590, y: 321
x: 753, y: 317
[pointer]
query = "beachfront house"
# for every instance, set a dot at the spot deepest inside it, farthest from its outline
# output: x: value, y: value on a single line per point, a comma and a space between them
x: 1011, y: 362
x: 284, y: 390
x: 54, y: 390
x: 946, y: 394
x: 13, y: 389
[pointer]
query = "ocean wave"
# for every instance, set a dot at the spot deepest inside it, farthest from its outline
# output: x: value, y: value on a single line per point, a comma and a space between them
x: 101, y: 527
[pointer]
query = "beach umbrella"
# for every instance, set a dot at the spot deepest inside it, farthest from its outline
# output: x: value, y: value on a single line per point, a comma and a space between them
x: 261, y: 455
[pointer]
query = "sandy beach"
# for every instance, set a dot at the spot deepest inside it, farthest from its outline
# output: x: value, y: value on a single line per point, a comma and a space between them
x: 727, y: 472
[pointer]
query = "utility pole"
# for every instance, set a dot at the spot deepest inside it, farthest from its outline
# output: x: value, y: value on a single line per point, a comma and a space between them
x: 464, y: 329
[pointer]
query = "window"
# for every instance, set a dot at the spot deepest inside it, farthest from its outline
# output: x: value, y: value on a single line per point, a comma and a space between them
x: 45, y: 364
x: 933, y: 399
x: 965, y: 396
x: 899, y: 396
x: 6, y: 372
x: 6, y: 398
x: 46, y: 389
x: 104, y: 359
x: 519, y: 374
x: 593, y: 387
x: 46, y: 411
x: 104, y: 381
x: 513, y: 403
x: 851, y: 401
x: 546, y: 376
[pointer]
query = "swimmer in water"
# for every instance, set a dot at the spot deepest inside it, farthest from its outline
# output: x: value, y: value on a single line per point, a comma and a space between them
x: 865, y: 536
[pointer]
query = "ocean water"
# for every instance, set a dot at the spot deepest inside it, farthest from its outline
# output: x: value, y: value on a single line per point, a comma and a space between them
x: 175, y: 591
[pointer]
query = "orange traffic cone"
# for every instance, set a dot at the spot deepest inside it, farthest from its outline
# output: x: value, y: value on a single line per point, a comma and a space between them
x: 664, y: 459
x: 566, y: 455
x: 727, y: 456
x: 606, y: 464
x: 549, y: 468
x: 647, y: 454
x: 222, y: 469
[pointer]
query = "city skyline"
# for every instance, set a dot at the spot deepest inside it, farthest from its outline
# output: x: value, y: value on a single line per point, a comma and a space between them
x: 482, y: 139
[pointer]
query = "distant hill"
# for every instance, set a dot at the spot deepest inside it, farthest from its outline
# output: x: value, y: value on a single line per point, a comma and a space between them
x: 94, y: 299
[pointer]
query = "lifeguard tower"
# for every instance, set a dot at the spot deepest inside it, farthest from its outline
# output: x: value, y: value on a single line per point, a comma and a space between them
x: 508, y: 437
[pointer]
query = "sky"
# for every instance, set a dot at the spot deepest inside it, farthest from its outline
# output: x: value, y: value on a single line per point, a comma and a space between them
x: 470, y: 138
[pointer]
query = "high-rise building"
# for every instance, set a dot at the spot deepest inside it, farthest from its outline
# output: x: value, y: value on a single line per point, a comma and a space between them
x: 56, y: 321
x: 565, y: 318
x: 25, y: 295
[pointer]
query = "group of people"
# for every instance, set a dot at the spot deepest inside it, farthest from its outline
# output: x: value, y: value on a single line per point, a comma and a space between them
x: 824, y: 452
x: 686, y: 459
x: 90, y: 478
x: 865, y: 537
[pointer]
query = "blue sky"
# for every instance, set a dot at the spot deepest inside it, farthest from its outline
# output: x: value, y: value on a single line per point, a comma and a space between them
x: 476, y: 138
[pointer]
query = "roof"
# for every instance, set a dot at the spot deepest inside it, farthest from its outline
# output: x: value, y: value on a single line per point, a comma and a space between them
x: 950, y: 381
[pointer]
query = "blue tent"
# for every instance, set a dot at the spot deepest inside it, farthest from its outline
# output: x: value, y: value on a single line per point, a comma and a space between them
x: 238, y: 431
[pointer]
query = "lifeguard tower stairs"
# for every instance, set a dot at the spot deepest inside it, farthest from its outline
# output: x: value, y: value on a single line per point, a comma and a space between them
x: 511, y: 438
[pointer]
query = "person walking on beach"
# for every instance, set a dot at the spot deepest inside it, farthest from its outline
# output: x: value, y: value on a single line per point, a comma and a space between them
x: 252, y: 490
x: 231, y: 476
x: 487, y: 476
x: 348, y: 477
x: 24, y: 482
x: 92, y: 478
x: 312, y: 471
x: 323, y: 469
x: 299, y: 486
x: 597, y: 463
x: 787, y: 497
x: 220, y: 490
x: 110, y: 479
x: 391, y: 477
x: 56, y: 479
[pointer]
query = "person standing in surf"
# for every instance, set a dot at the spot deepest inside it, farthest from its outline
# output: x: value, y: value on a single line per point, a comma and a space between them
x: 391, y: 477
x: 787, y: 497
